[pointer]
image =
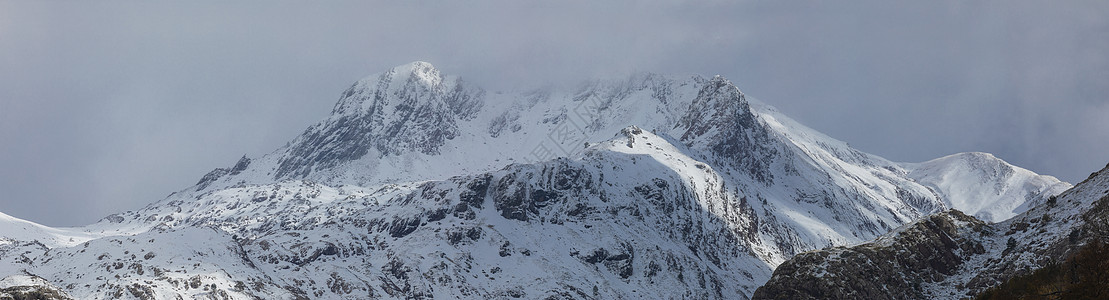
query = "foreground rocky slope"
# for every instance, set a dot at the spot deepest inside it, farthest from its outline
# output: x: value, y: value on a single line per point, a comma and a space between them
x: 1081, y: 275
x: 951, y: 255
x: 421, y: 185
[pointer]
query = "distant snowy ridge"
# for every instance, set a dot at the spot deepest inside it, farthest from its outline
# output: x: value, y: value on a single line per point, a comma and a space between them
x: 422, y: 185
x: 15, y: 229
x: 984, y: 186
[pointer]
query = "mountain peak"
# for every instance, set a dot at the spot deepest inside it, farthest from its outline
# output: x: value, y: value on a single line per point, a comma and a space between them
x: 720, y: 119
x: 410, y: 108
x: 983, y: 185
x: 412, y: 78
x: 418, y: 70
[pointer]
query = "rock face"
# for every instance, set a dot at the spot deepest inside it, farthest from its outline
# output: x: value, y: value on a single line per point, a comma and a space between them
x: 419, y: 185
x: 895, y: 267
x: 411, y: 108
x: 720, y: 120
x: 950, y: 255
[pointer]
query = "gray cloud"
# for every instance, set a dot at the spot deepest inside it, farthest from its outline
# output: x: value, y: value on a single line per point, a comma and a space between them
x: 109, y: 106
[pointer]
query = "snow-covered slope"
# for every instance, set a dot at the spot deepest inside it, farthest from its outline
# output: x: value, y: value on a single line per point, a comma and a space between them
x: 420, y: 184
x: 22, y: 240
x: 984, y: 186
x: 15, y: 229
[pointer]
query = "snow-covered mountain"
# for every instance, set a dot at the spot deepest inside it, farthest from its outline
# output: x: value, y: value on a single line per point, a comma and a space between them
x: 424, y: 185
x: 984, y: 186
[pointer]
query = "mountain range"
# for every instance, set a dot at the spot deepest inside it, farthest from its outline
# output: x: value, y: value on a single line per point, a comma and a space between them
x: 424, y: 185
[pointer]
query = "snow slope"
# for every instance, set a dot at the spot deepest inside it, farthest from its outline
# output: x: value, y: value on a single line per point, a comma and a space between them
x: 984, y: 186
x: 13, y: 229
x: 420, y: 184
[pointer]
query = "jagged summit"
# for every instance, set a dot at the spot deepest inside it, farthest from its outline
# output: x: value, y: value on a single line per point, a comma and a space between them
x: 720, y: 119
x: 415, y: 76
x: 423, y: 71
x: 410, y: 108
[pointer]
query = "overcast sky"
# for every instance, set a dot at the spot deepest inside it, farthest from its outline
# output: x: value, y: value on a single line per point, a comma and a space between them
x: 106, y: 107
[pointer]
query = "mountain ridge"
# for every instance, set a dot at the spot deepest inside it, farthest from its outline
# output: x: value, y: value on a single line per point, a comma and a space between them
x: 948, y: 175
x: 428, y: 186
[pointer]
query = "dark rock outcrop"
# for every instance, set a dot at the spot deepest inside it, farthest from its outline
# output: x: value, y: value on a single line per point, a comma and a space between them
x: 892, y: 268
x: 218, y: 173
